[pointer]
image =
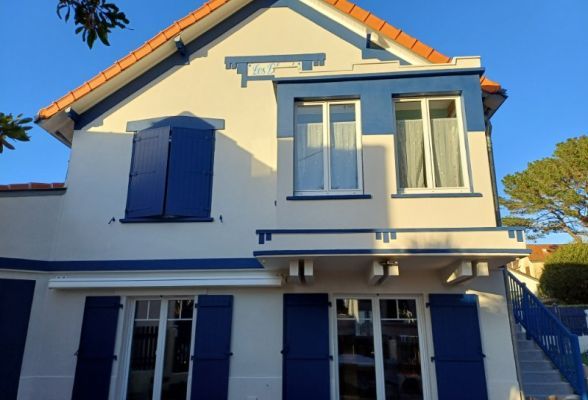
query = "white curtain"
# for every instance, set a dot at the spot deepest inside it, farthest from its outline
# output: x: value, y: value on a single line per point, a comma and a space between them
x: 309, y: 155
x: 446, y: 153
x: 343, y: 155
x: 410, y: 153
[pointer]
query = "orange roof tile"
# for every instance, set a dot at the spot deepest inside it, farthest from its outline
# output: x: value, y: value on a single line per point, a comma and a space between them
x: 540, y: 252
x: 361, y: 15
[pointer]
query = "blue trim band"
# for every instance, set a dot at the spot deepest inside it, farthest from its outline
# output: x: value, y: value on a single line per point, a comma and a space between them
x: 331, y: 197
x: 376, y: 230
x: 178, y: 121
x: 387, y: 251
x: 433, y: 195
x: 129, y: 265
x: 241, y: 64
x: 376, y: 93
x: 162, y: 220
x: 381, y: 75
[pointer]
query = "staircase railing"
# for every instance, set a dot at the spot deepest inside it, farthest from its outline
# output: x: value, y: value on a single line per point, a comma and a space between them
x: 541, y: 325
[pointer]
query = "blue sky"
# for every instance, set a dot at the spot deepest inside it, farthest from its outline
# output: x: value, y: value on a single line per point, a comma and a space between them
x: 538, y: 51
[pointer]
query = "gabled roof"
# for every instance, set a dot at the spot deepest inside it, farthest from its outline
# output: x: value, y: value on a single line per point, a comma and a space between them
x: 367, y: 18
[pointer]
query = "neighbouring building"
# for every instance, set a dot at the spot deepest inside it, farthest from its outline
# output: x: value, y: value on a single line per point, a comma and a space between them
x: 270, y: 199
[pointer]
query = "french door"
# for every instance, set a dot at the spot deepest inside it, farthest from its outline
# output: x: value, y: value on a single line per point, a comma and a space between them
x: 379, y: 348
x: 160, y: 342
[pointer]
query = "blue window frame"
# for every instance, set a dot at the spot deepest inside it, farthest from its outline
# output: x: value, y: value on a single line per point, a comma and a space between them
x: 171, y: 175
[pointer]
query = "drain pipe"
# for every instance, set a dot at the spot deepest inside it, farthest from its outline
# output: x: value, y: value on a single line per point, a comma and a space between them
x: 488, y: 132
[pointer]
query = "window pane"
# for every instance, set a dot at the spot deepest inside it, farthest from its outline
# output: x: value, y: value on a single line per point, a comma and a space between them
x: 401, y: 353
x: 178, y: 338
x: 143, y: 349
x: 410, y: 150
x: 308, y: 148
x: 343, y: 147
x: 355, y: 338
x: 445, y: 141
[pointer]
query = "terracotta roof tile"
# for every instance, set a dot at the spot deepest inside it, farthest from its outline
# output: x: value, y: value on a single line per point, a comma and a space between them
x: 374, y: 22
x: 359, y: 13
x: 346, y: 6
x: 422, y: 49
x: 540, y: 252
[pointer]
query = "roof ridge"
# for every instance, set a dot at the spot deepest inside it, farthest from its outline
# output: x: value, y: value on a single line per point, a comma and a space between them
x: 365, y: 17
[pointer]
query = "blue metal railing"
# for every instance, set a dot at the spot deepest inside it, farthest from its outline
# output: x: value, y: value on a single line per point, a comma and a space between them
x: 541, y: 325
x: 574, y: 317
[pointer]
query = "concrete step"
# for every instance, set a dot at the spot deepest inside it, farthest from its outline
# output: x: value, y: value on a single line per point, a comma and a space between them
x: 541, y: 376
x: 535, y: 366
x: 527, y: 345
x: 548, y: 389
x: 532, y: 355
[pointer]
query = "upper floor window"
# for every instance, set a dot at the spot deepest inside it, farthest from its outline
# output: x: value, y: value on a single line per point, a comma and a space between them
x: 171, y: 174
x: 430, y: 148
x: 327, y: 148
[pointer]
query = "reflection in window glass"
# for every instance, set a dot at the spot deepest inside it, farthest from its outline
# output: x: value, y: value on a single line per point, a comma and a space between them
x: 445, y: 143
x: 176, y: 362
x: 343, y: 155
x: 400, y: 348
x: 308, y: 148
x: 357, y: 373
x: 410, y: 147
x: 143, y: 350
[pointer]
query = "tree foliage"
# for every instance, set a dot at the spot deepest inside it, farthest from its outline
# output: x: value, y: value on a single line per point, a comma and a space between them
x: 93, y: 18
x: 551, y: 195
x: 565, y: 276
x: 14, y: 128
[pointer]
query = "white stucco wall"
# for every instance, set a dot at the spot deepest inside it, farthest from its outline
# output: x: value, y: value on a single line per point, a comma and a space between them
x: 256, y: 366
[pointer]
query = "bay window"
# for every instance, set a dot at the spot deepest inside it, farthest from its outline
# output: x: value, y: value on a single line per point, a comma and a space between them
x: 327, y: 148
x: 430, y: 145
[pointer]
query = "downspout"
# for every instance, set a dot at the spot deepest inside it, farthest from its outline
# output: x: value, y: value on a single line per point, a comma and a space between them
x: 492, y: 171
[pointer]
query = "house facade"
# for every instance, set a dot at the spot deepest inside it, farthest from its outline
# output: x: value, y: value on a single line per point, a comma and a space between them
x: 270, y: 199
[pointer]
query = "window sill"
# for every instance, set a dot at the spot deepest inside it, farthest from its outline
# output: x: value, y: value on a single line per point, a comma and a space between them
x: 163, y: 220
x: 433, y: 195
x: 331, y: 197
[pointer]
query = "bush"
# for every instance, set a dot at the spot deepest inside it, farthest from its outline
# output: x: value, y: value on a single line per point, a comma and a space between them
x: 565, y: 276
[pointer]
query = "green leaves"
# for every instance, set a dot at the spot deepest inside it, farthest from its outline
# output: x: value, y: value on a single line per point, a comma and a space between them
x: 565, y: 276
x: 14, y: 128
x: 551, y: 194
x: 93, y: 18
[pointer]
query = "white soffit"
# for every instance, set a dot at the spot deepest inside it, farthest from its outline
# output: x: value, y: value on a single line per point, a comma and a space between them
x: 169, y: 280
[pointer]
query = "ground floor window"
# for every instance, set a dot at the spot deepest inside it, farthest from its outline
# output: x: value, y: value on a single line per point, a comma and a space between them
x: 160, y: 343
x: 378, y: 349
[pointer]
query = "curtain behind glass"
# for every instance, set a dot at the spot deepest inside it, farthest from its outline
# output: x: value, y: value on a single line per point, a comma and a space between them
x: 410, y: 153
x: 308, y: 149
x: 446, y: 153
x: 343, y: 147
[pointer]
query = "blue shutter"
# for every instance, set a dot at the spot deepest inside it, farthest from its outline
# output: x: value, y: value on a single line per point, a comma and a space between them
x: 146, y: 195
x: 306, y: 355
x: 16, y: 298
x: 96, y: 349
x: 459, y: 360
x: 189, y: 182
x: 212, y: 348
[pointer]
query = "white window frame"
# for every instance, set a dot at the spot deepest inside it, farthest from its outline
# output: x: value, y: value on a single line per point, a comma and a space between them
x: 327, y: 148
x: 377, y: 332
x: 428, y: 147
x: 160, y: 350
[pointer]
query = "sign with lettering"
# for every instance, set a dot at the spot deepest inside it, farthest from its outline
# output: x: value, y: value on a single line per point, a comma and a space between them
x: 268, y: 68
